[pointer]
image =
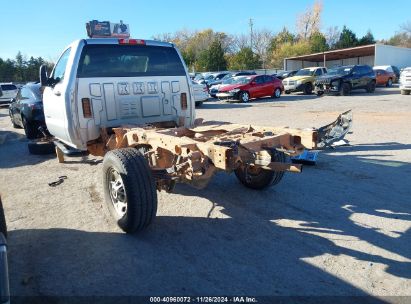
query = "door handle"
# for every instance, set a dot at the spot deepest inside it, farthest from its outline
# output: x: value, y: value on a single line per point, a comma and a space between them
x: 57, y: 93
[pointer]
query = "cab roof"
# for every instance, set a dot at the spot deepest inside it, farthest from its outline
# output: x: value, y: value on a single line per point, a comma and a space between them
x: 117, y: 41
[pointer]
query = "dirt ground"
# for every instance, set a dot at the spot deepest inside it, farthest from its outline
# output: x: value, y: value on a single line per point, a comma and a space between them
x: 342, y: 227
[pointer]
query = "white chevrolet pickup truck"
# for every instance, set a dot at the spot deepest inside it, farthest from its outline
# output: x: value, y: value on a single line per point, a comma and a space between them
x: 130, y: 101
x: 405, y: 81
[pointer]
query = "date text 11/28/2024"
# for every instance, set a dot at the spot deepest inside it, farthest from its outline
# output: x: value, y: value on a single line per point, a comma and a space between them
x: 203, y: 300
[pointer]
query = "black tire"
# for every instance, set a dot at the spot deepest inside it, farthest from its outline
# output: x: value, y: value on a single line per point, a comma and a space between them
x: 389, y: 83
x: 30, y: 128
x: 405, y: 92
x: 320, y: 93
x: 263, y: 178
x: 16, y: 126
x: 370, y: 87
x: 244, y: 96
x: 277, y: 93
x: 308, y: 88
x: 38, y: 147
x: 287, y: 92
x: 199, y: 103
x: 3, y: 226
x: 138, y: 187
x: 345, y: 89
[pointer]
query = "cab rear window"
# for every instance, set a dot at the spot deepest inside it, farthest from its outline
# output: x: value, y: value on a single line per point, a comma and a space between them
x: 129, y: 61
x: 8, y: 87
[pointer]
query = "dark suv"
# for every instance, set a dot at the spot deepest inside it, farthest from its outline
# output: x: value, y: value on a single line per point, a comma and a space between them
x: 342, y: 80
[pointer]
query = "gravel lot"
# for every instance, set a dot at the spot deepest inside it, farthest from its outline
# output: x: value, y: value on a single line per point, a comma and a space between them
x: 342, y: 227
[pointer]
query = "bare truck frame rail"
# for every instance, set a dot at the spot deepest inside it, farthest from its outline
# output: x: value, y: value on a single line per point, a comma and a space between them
x: 138, y: 160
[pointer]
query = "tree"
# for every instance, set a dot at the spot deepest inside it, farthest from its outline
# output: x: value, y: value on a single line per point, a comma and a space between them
x: 240, y: 41
x: 288, y: 49
x: 309, y: 22
x: 244, y: 60
x: 367, y: 39
x: 332, y: 35
x: 20, y: 69
x: 318, y: 43
x: 399, y: 39
x: 20, y: 62
x: 347, y: 39
x: 212, y: 59
x: 261, y: 43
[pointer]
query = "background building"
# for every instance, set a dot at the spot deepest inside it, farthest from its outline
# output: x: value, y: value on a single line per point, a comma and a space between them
x: 374, y: 54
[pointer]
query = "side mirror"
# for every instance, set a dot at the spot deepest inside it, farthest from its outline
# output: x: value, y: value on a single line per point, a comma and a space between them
x: 44, y: 79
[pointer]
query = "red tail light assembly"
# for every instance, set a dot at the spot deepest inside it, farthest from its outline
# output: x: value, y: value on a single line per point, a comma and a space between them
x: 86, y: 105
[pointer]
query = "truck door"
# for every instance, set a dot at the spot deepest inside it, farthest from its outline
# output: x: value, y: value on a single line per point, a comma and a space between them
x: 356, y: 78
x: 54, y: 99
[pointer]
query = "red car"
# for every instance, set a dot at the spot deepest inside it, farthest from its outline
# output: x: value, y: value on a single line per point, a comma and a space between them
x: 385, y: 78
x: 254, y: 86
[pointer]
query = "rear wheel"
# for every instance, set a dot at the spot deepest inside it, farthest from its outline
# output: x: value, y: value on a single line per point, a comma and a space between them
x: 405, y: 92
x: 389, y: 83
x: 244, y: 96
x: 287, y: 92
x: 12, y: 120
x: 345, y: 89
x: 29, y: 128
x: 129, y: 189
x: 258, y: 178
x: 308, y: 88
x: 277, y: 93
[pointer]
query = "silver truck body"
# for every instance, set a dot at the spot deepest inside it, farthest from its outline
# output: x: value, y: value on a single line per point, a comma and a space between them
x: 140, y: 99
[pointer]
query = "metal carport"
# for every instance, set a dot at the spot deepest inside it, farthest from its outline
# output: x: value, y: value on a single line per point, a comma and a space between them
x: 373, y: 54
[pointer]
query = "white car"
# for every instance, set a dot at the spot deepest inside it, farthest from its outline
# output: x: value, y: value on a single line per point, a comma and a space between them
x: 8, y: 91
x: 405, y: 81
x: 200, y: 93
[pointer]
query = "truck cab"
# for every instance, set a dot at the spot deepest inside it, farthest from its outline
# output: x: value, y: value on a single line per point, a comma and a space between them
x: 103, y: 83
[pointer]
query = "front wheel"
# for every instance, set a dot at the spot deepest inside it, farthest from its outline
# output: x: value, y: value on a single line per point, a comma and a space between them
x: 277, y: 93
x: 370, y: 87
x: 129, y: 189
x: 257, y: 178
x: 405, y: 92
x: 308, y: 88
x: 389, y: 83
x: 244, y: 97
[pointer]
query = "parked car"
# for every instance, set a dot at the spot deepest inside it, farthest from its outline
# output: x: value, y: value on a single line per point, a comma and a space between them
x: 26, y: 110
x: 385, y: 78
x: 285, y: 74
x: 405, y: 81
x: 389, y: 68
x: 342, y: 80
x: 4, y: 273
x: 227, y: 76
x: 8, y: 91
x: 213, y: 90
x: 200, y: 92
x: 255, y: 86
x: 303, y: 80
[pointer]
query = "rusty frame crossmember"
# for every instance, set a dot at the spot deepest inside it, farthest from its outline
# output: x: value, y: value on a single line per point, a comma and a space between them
x: 193, y: 155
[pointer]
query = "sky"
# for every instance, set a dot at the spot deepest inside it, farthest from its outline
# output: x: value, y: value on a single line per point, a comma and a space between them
x: 44, y: 27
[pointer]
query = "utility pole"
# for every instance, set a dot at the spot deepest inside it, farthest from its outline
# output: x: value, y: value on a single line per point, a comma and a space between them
x: 251, y: 32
